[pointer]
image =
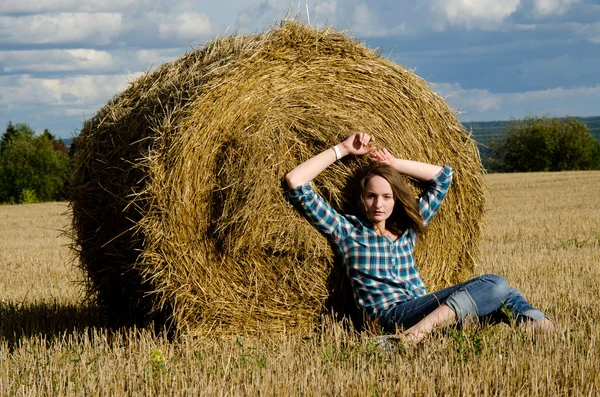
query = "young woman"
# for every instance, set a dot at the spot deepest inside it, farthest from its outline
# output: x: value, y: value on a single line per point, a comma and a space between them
x: 378, y: 246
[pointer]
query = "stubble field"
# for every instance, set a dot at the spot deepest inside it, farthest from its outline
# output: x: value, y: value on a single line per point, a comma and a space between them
x: 542, y: 232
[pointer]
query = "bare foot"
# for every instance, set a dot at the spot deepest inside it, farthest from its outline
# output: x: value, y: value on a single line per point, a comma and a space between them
x: 413, y: 338
x: 543, y: 326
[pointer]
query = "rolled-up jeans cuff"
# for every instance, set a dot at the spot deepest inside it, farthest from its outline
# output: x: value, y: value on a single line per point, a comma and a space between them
x: 463, y: 305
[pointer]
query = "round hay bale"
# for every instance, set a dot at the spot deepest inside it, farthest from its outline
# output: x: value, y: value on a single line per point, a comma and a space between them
x: 179, y: 211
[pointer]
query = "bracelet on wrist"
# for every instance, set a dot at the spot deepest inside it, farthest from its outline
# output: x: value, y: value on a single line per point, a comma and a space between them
x: 338, y: 154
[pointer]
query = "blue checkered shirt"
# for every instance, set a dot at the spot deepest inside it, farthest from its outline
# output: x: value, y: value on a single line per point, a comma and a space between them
x: 382, y: 271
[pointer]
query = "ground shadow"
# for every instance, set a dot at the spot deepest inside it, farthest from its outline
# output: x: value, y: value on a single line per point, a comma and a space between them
x: 54, y: 320
x: 48, y: 319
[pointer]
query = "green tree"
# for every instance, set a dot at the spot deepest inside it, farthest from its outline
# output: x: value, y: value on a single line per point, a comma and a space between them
x: 546, y: 144
x: 58, y: 144
x: 31, y: 169
x: 13, y: 132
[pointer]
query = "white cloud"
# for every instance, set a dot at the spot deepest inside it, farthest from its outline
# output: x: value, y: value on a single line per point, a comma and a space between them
x: 41, y: 6
x: 590, y: 31
x: 325, y: 8
x: 364, y: 20
x: 58, y: 104
x: 463, y: 100
x: 544, y: 8
x: 559, y: 93
x: 366, y: 23
x: 568, y: 30
x: 246, y: 17
x: 82, y: 90
x: 155, y: 57
x: 56, y: 61
x: 96, y: 28
x: 525, y: 27
x: 471, y: 14
x: 258, y: 15
x: 481, y: 104
x: 280, y: 5
x: 185, y: 26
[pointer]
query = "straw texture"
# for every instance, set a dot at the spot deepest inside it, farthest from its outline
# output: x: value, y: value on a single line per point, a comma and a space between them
x: 179, y: 211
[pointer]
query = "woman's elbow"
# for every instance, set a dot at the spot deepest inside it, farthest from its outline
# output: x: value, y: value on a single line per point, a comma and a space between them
x: 294, y: 179
x: 289, y: 179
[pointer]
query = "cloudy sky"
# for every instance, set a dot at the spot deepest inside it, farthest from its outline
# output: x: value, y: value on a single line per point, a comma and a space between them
x: 61, y: 60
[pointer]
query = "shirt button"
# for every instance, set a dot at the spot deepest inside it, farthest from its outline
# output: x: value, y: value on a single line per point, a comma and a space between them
x: 393, y: 261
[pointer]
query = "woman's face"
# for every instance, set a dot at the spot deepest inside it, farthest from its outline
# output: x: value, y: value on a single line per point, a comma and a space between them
x: 379, y: 198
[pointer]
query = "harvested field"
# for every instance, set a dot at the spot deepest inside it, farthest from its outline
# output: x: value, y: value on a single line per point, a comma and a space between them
x: 541, y: 232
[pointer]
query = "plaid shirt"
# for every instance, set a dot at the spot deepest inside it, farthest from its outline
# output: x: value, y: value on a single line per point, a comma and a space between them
x: 382, y: 271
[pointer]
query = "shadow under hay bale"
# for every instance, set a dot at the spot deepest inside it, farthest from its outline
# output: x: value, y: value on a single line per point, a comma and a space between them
x: 178, y: 209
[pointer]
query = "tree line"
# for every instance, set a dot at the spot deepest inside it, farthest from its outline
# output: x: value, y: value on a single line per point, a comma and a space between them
x: 36, y: 168
x: 33, y: 168
x: 543, y: 144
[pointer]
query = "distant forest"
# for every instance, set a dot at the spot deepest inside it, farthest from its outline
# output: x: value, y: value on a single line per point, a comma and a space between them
x: 484, y: 132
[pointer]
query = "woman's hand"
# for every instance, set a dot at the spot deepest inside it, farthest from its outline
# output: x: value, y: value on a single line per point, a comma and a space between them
x: 382, y: 156
x: 357, y: 144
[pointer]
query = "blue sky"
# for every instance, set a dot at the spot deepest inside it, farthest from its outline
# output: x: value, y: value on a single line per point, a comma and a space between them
x: 61, y: 60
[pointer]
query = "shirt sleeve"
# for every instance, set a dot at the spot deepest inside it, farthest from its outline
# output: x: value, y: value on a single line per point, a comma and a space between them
x: 432, y: 197
x: 320, y: 214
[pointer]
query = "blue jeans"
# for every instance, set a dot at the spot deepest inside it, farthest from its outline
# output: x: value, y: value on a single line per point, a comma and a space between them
x: 474, y: 299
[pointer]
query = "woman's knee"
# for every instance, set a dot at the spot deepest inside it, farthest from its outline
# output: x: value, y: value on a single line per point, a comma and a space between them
x: 480, y: 296
x: 488, y: 292
x: 498, y: 285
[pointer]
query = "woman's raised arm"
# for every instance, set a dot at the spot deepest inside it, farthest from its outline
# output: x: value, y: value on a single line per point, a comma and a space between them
x: 414, y: 169
x: 357, y: 144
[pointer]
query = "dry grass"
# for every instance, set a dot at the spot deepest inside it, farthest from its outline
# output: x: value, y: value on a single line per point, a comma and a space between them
x: 541, y: 232
x: 33, y: 252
